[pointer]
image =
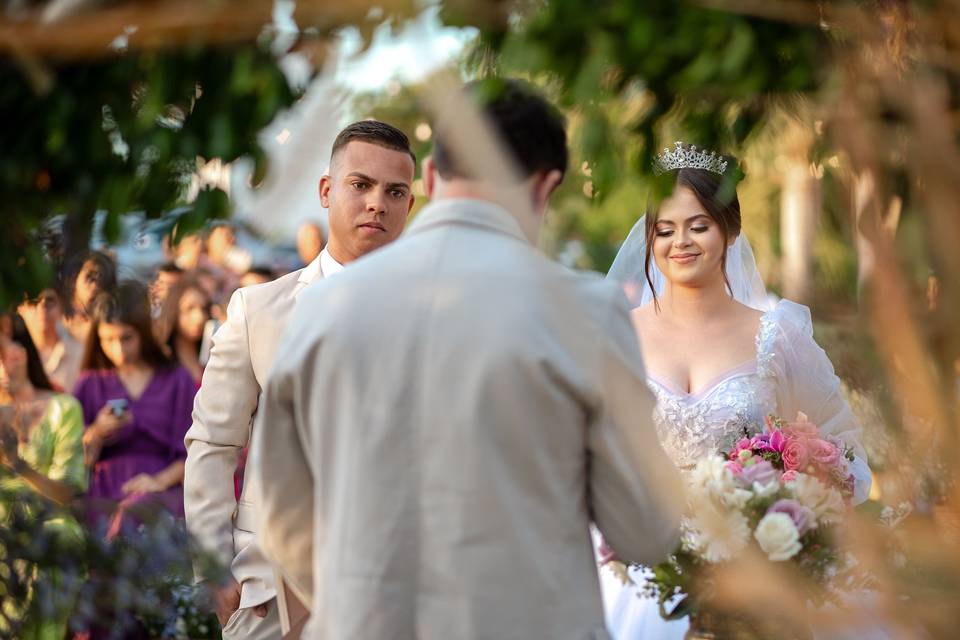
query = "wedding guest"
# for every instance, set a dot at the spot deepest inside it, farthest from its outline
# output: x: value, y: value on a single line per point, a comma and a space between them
x: 222, y: 250
x: 59, y: 351
x: 310, y: 241
x: 187, y: 252
x: 97, y: 272
x: 168, y: 274
x: 181, y: 323
x: 40, y: 445
x: 256, y: 275
x: 136, y: 405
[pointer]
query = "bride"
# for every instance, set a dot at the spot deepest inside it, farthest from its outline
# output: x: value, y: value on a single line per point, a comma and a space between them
x: 719, y: 354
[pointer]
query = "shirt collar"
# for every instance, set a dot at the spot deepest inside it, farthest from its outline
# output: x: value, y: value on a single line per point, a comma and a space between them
x: 310, y: 272
x: 323, y: 266
x: 329, y: 266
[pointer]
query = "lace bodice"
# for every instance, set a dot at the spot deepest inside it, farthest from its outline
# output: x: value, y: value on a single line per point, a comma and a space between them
x: 691, y: 426
x: 789, y: 374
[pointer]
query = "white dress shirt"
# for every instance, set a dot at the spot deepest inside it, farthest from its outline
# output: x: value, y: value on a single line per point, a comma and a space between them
x: 329, y: 266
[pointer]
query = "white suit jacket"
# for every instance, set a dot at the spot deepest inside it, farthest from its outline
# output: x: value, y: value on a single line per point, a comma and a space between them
x: 223, y: 411
x: 442, y: 435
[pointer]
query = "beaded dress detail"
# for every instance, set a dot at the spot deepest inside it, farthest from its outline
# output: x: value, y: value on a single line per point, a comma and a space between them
x: 692, y: 426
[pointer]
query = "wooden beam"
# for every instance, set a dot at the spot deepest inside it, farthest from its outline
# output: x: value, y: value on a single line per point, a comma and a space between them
x: 168, y: 24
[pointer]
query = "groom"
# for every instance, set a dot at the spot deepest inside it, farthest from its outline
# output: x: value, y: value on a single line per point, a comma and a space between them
x: 435, y: 456
x: 368, y: 195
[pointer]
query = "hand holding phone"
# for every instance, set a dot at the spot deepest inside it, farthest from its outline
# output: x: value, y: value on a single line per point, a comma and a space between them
x: 112, y: 417
x: 118, y: 406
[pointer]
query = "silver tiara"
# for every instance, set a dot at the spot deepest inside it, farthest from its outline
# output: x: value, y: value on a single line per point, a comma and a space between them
x: 688, y: 158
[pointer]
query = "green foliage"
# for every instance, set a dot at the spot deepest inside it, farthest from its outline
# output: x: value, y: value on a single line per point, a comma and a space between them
x: 53, y: 573
x: 122, y: 134
x: 715, y: 74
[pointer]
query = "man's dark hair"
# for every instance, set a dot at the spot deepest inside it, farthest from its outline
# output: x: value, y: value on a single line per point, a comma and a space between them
x: 374, y: 132
x: 530, y: 127
x: 35, y: 371
x: 261, y: 270
x: 169, y: 267
x: 106, y: 277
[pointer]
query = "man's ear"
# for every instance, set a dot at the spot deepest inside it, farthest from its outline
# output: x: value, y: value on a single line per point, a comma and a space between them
x: 545, y: 186
x: 429, y: 177
x: 325, y: 183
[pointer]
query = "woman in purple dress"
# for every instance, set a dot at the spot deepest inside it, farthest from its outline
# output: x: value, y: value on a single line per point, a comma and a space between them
x: 137, y: 407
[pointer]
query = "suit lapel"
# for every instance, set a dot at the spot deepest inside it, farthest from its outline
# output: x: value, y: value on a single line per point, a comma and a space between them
x: 308, y: 275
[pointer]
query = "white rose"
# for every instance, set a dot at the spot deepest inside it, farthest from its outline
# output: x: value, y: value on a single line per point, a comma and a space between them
x: 711, y: 478
x: 778, y: 537
x: 766, y: 490
x: 717, y: 533
x: 825, y: 502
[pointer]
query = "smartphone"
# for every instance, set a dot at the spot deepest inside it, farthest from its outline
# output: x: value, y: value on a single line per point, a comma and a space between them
x: 118, y: 406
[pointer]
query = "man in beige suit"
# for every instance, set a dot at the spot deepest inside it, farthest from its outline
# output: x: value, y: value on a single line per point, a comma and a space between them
x: 439, y: 446
x: 368, y: 194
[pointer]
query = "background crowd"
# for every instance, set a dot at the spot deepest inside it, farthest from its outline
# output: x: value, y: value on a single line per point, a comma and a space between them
x: 99, y: 376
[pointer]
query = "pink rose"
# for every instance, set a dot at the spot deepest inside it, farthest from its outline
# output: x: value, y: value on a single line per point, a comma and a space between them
x: 735, y: 467
x: 796, y: 455
x: 824, y: 454
x: 788, y: 476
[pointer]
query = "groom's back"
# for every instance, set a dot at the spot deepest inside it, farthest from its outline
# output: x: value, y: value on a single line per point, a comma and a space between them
x: 460, y: 373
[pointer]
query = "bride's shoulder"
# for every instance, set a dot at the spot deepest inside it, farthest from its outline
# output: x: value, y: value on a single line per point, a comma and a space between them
x: 791, y: 317
x: 747, y: 315
x: 644, y: 316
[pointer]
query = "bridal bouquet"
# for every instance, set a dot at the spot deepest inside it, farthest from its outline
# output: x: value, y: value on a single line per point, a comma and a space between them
x: 779, y: 492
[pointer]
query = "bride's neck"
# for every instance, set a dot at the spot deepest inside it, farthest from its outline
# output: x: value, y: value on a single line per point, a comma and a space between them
x: 695, y: 304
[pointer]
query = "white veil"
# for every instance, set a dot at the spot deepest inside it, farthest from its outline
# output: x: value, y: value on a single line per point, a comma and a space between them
x: 746, y: 285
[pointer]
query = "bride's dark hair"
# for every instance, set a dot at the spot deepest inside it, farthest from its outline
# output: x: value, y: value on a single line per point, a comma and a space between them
x: 718, y: 197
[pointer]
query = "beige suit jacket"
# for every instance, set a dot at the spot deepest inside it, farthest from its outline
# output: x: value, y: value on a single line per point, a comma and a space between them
x: 223, y: 411
x: 437, y: 452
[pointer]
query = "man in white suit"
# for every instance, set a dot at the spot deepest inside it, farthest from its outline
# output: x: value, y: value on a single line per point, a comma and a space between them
x: 368, y: 194
x: 439, y: 446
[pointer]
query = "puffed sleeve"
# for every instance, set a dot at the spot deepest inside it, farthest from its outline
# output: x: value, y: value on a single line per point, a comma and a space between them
x: 806, y: 382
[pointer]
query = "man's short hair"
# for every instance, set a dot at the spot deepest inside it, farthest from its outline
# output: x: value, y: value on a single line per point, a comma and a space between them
x: 530, y: 128
x: 169, y: 267
x: 261, y: 270
x: 374, y: 132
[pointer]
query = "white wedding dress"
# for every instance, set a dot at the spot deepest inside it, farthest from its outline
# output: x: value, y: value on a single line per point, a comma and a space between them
x: 790, y: 373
